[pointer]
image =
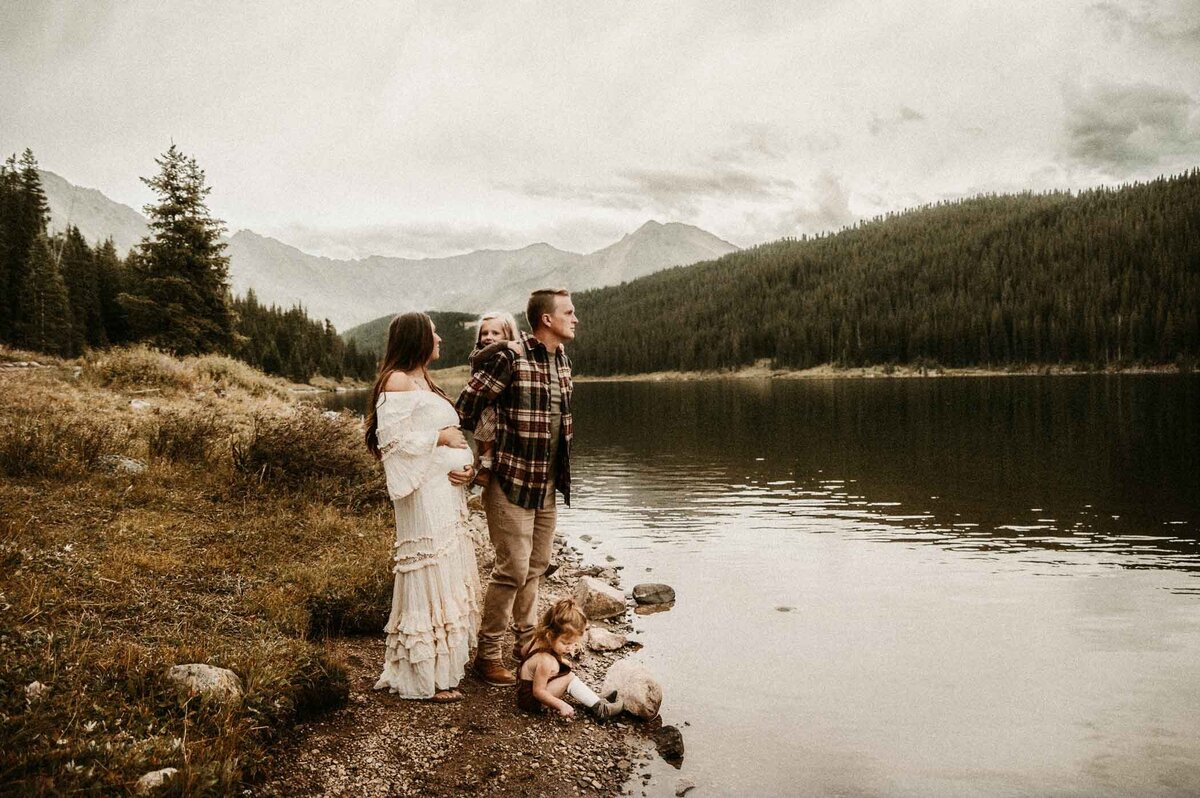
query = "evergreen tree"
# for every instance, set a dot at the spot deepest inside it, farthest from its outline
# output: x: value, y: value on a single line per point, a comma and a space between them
x: 178, y: 293
x: 79, y: 271
x: 45, y: 321
x: 110, y: 280
x: 8, y: 204
x: 24, y: 215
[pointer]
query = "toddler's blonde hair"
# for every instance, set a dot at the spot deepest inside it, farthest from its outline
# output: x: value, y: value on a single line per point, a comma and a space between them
x: 507, y: 321
x: 560, y: 618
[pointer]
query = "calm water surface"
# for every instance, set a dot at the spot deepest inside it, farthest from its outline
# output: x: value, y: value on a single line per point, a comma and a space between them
x: 977, y: 586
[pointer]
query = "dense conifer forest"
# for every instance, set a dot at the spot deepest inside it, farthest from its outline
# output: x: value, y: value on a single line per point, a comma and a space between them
x: 60, y: 295
x: 1104, y: 278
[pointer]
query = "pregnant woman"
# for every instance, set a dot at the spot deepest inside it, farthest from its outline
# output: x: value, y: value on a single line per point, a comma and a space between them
x: 413, y: 430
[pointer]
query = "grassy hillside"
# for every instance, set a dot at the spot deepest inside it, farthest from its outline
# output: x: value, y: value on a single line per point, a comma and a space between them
x: 1106, y: 277
x: 155, y: 512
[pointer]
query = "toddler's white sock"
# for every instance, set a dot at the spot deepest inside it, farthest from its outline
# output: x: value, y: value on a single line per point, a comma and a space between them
x: 581, y: 692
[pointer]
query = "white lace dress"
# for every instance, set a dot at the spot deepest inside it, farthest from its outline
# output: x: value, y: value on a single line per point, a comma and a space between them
x: 436, y: 596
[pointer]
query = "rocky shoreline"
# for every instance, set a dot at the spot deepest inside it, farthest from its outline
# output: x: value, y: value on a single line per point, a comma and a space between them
x: 380, y: 745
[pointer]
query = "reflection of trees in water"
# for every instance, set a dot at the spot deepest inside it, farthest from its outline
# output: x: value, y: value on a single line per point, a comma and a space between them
x: 1087, y: 463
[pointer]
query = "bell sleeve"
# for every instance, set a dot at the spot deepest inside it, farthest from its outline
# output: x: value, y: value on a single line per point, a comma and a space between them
x: 406, y: 447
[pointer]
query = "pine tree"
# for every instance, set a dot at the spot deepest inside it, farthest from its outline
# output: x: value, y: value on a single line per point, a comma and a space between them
x: 45, y: 321
x: 26, y: 215
x: 9, y: 188
x: 79, y: 266
x: 178, y: 296
x: 110, y: 280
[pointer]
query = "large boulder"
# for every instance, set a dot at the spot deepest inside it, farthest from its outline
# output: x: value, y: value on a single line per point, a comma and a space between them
x: 600, y: 639
x: 653, y: 593
x: 636, y: 686
x: 207, y: 681
x: 599, y: 599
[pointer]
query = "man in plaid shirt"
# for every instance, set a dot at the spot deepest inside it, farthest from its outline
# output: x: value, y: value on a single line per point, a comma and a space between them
x: 532, y: 459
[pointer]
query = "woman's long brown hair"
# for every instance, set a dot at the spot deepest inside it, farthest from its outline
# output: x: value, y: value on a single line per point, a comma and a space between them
x: 409, y: 346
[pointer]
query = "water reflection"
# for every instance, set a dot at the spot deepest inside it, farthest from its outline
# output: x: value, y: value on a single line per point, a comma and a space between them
x: 1095, y: 465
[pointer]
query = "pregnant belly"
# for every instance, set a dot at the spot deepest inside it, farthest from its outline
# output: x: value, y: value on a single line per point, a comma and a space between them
x: 453, y: 459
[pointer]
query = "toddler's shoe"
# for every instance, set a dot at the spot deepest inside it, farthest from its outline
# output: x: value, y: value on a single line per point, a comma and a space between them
x: 608, y: 708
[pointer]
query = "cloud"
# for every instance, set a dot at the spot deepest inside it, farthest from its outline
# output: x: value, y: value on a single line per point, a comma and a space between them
x: 1156, y: 25
x: 1121, y: 128
x: 430, y: 239
x: 437, y: 239
x: 825, y: 208
x: 753, y: 142
x: 903, y: 116
x: 678, y: 191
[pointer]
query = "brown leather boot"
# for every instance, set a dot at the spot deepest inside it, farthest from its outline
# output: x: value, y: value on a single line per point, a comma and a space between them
x: 494, y: 673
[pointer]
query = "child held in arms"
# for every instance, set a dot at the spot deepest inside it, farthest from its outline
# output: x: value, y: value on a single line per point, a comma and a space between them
x: 544, y: 679
x: 495, y: 330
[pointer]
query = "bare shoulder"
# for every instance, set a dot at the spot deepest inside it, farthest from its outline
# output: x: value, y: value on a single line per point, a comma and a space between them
x: 399, y: 381
x: 543, y: 662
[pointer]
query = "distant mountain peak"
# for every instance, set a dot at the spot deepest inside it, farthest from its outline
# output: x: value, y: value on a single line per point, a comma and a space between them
x: 352, y: 291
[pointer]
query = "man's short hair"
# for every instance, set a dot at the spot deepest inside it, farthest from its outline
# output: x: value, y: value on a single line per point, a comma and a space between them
x: 541, y: 301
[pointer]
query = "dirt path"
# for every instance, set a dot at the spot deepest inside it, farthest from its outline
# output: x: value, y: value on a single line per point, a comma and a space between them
x: 381, y: 745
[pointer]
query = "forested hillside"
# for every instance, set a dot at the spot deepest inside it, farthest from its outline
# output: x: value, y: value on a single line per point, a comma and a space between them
x: 457, y: 331
x: 1107, y: 277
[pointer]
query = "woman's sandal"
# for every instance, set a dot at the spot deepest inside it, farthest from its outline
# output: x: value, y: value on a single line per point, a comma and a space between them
x: 451, y: 696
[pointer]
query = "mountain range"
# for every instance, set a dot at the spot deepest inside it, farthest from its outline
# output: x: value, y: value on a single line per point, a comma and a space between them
x: 349, y: 292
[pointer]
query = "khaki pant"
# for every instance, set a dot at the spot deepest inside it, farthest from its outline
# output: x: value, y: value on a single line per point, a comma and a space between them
x: 523, y: 540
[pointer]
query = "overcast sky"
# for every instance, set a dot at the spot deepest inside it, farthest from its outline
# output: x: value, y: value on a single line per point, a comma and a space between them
x: 432, y: 128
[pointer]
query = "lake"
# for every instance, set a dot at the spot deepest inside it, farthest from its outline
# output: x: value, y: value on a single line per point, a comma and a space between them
x: 909, y: 587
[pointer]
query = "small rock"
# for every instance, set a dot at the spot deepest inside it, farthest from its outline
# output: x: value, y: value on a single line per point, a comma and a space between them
x: 34, y: 691
x: 600, y: 639
x: 475, y: 503
x: 206, y: 680
x: 332, y: 415
x: 598, y: 599
x: 118, y: 464
x: 669, y: 742
x: 149, y: 782
x: 784, y: 609
x: 653, y: 593
x: 139, y: 404
x: 636, y: 686
x: 682, y: 786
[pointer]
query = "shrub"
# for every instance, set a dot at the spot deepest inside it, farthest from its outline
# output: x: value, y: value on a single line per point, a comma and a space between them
x: 136, y: 367
x: 44, y: 445
x: 186, y: 437
x: 225, y: 372
x: 305, y: 450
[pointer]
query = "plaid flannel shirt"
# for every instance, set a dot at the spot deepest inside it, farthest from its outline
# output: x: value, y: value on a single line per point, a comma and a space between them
x: 519, y: 385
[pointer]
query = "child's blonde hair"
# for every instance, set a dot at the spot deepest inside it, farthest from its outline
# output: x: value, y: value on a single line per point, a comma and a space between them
x: 560, y: 618
x: 507, y: 321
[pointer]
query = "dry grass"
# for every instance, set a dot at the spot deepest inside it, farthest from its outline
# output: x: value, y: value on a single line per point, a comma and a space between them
x: 107, y: 579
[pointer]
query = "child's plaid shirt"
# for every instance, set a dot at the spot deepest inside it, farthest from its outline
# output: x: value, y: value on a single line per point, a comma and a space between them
x: 519, y: 385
